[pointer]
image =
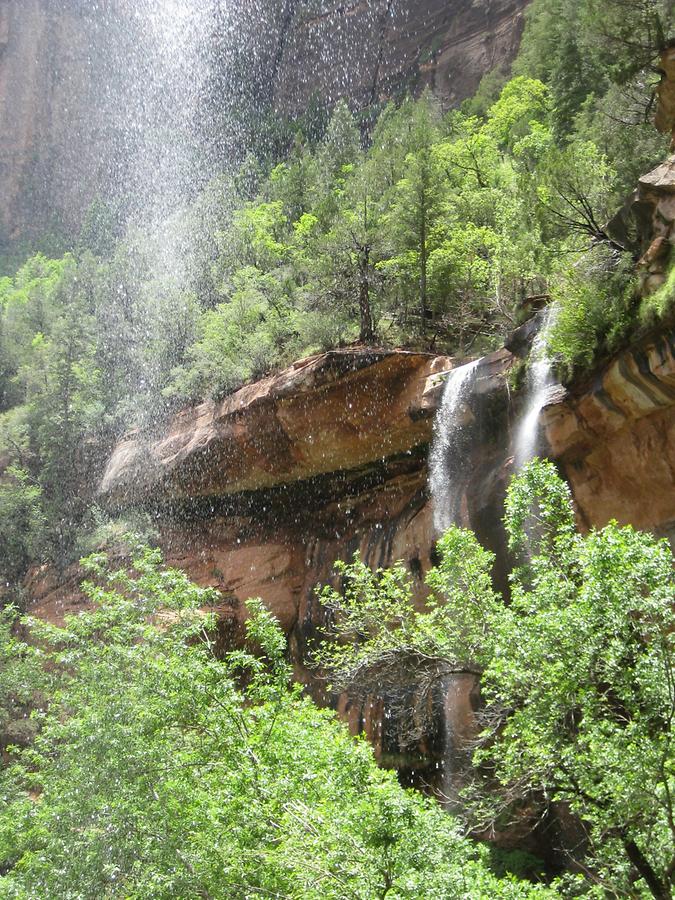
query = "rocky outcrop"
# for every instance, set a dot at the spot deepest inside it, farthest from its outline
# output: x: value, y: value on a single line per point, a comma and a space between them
x: 653, y: 209
x: 615, y: 439
x: 339, y: 411
x: 259, y: 494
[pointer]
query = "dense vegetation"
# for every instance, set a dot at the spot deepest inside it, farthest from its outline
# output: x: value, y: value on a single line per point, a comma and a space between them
x: 154, y: 766
x: 139, y: 759
x: 409, y: 227
x: 576, y: 672
x: 161, y: 770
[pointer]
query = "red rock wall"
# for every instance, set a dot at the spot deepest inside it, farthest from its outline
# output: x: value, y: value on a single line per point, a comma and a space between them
x: 615, y: 439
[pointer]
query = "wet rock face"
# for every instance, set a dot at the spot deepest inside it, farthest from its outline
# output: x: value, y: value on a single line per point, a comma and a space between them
x: 260, y: 494
x: 338, y: 411
x: 371, y: 51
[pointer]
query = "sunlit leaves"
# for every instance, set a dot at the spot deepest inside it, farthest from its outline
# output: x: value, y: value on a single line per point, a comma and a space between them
x: 577, y: 669
x: 163, y: 769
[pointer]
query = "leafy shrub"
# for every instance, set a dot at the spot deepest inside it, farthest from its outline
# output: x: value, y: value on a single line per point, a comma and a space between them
x: 166, y: 770
x: 595, y: 309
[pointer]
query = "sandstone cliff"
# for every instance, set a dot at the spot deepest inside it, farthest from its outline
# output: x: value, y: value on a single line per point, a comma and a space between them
x: 61, y: 115
x: 377, y: 49
x: 259, y: 494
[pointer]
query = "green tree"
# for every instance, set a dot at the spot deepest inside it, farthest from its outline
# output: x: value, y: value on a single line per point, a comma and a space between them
x: 167, y: 769
x: 595, y: 305
x: 61, y: 383
x: 415, y: 206
x: 27, y: 308
x: 522, y: 102
x: 348, y: 253
x: 21, y: 678
x: 618, y: 38
x: 460, y: 277
x: 577, y: 672
x: 48, y: 326
x: 100, y: 231
x: 337, y: 154
x: 21, y: 526
x: 575, y: 192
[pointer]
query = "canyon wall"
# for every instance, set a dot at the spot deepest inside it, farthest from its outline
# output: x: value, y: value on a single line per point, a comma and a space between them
x: 62, y: 114
x: 79, y: 84
x: 259, y: 494
x: 370, y: 51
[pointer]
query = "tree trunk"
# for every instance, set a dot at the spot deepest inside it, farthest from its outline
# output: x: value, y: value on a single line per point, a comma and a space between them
x: 423, y: 269
x: 657, y: 888
x: 366, y: 334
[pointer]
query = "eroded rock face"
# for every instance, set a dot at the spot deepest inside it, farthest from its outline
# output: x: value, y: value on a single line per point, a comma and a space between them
x: 335, y: 412
x: 653, y: 210
x: 615, y: 439
x: 258, y: 495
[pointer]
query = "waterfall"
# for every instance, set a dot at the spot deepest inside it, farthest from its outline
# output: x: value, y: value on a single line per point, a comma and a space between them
x: 539, y: 380
x: 450, y: 446
x: 170, y: 112
x: 176, y: 118
x: 164, y: 128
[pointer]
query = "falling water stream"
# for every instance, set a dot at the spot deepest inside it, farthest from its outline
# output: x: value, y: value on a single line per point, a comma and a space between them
x: 165, y: 136
x: 448, y: 460
x: 539, y: 380
x: 450, y: 446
